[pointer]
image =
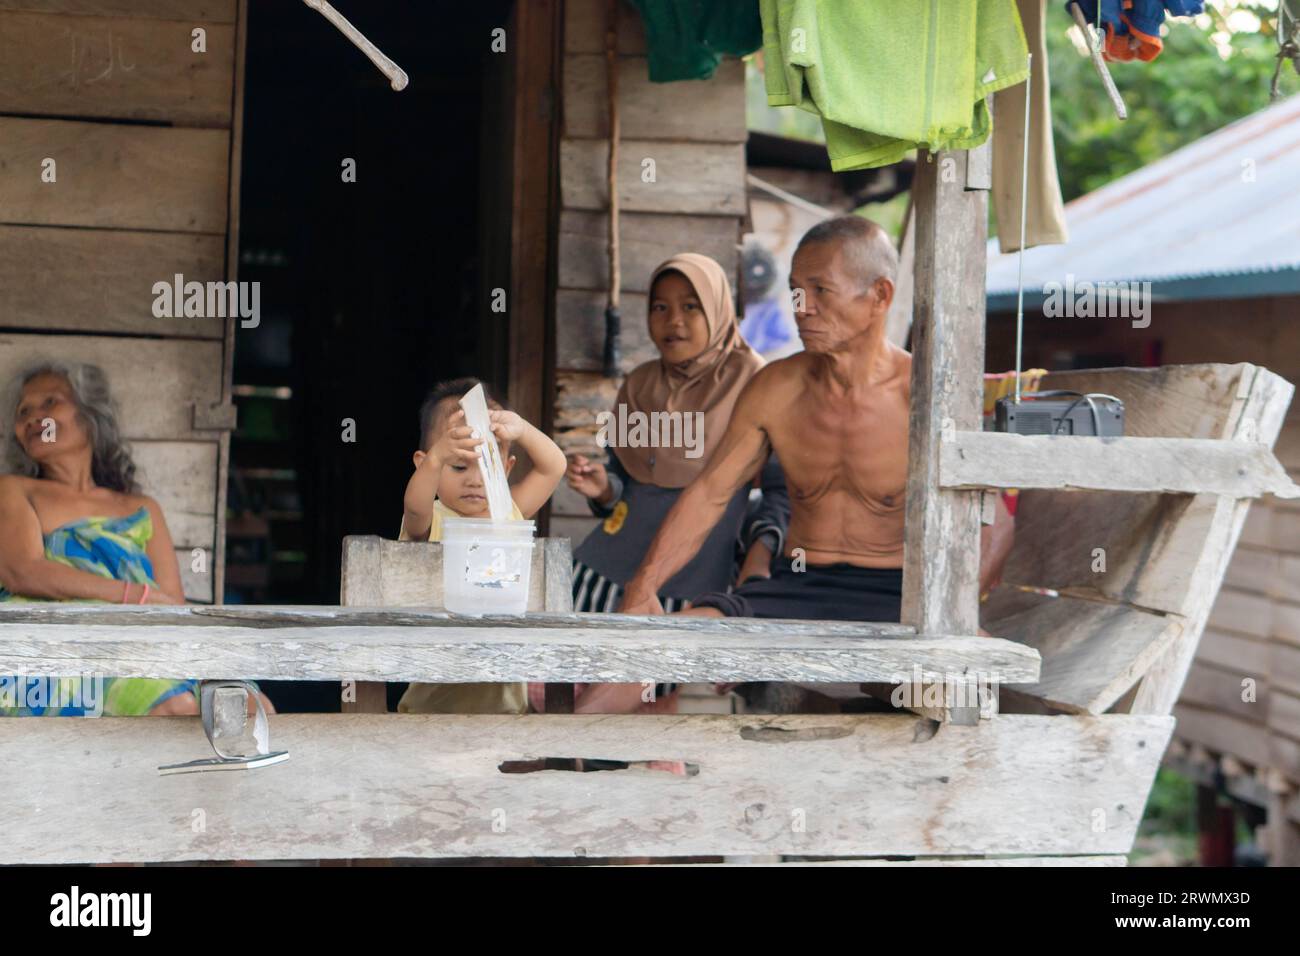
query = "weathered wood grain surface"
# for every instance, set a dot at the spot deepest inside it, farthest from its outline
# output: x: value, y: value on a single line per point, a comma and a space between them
x: 941, y: 552
x: 584, y: 28
x: 1220, y: 689
x: 1223, y: 733
x: 643, y: 239
x: 1092, y: 651
x: 696, y: 111
x: 1137, y: 548
x: 92, y: 280
x: 114, y: 176
x: 580, y: 330
x: 431, y: 786
x: 1154, y: 552
x: 276, y: 617
x: 121, y: 67
x: 1165, y: 465
x: 407, y: 644
x: 382, y: 573
x: 378, y: 572
x: 182, y: 476
x: 706, y: 178
x: 197, y: 585
x: 1170, y: 401
x: 939, y: 861
x: 1152, y: 543
x: 158, y: 406
x: 1258, y: 411
x: 201, y: 12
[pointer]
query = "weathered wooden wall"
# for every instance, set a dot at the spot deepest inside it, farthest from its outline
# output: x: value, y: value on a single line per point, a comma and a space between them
x: 441, y: 787
x: 140, y: 128
x: 1254, y: 627
x: 694, y: 132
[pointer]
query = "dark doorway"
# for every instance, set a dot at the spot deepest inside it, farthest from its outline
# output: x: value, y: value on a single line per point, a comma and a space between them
x: 372, y: 290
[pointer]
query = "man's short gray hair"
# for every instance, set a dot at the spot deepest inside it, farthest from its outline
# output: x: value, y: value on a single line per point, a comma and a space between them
x: 868, y: 252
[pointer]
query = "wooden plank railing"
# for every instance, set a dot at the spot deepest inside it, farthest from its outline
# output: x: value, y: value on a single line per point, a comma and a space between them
x: 419, y: 644
x: 1234, y: 469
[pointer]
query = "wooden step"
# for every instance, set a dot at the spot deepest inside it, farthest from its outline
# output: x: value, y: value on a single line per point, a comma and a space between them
x: 1093, y: 651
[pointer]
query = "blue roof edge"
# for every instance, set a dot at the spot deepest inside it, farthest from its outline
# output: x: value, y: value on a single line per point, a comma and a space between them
x: 1246, y: 285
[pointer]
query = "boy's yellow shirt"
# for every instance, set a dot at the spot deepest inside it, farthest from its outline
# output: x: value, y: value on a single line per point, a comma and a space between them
x: 472, y: 698
x: 441, y: 511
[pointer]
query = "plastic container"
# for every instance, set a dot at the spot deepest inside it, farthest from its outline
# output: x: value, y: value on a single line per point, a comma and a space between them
x: 486, y: 565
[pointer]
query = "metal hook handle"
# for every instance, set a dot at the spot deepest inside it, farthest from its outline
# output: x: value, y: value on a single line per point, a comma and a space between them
x: 207, y: 712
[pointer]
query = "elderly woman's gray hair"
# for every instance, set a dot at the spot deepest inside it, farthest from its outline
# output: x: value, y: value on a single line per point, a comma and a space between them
x: 111, y: 463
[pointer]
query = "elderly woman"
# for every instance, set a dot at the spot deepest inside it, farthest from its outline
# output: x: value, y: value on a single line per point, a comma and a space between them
x: 74, y: 527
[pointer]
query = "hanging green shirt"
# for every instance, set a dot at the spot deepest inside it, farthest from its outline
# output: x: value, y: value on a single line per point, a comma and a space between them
x: 887, y: 76
x: 687, y: 39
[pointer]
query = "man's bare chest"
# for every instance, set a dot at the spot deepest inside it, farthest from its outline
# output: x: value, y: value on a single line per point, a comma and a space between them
x: 854, y: 446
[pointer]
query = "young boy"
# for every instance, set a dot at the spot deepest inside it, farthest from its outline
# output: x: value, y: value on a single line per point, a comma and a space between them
x: 448, y: 483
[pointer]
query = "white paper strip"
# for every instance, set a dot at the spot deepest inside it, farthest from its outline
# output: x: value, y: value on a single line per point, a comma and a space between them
x: 489, y: 454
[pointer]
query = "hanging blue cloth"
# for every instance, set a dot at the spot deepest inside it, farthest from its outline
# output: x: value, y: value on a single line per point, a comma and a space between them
x: 1132, y: 27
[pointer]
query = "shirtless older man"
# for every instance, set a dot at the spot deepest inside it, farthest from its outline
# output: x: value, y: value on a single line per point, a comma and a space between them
x: 837, y: 416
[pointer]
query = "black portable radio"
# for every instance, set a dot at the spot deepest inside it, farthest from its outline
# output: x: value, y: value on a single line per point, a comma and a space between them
x: 1060, y: 413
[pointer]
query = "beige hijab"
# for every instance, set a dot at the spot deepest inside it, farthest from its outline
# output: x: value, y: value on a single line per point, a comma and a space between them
x: 709, y: 383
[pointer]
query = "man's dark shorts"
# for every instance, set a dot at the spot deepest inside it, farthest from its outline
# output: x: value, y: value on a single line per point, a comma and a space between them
x: 820, y: 592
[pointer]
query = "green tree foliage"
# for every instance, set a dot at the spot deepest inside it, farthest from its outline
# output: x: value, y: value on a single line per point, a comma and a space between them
x: 1214, y: 69
x: 1206, y: 77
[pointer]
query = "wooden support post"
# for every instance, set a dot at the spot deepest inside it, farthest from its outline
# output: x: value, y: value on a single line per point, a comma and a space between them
x: 217, y: 567
x: 941, y: 559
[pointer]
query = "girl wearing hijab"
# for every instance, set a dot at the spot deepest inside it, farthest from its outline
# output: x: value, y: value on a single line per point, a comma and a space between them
x: 703, y: 366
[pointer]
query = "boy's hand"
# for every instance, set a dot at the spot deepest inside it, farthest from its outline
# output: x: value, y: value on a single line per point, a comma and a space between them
x: 507, y: 426
x: 587, y: 477
x: 456, y: 444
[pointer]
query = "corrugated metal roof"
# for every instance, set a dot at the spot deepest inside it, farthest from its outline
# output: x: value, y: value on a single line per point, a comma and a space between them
x: 1219, y: 218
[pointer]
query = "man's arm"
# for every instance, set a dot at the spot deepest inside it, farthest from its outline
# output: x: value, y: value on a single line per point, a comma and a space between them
x: 743, y: 449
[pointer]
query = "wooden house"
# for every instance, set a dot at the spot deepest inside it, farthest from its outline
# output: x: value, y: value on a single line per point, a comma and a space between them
x: 169, y: 160
x: 1211, y: 229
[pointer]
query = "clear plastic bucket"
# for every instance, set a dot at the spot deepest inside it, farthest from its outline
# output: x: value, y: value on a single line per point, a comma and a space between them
x: 486, y: 565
